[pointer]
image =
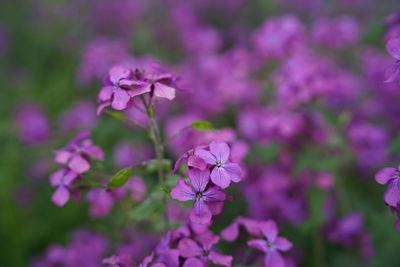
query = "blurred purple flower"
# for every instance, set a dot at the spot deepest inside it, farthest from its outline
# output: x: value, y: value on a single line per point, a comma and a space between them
x: 62, y: 179
x: 82, y: 115
x: 392, y: 74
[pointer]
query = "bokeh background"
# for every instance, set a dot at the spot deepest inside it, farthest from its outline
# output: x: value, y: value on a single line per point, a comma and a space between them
x: 54, y: 55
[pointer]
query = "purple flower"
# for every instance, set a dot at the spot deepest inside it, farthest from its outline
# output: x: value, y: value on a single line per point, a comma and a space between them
x: 76, y: 155
x: 272, y: 245
x: 123, y: 260
x: 101, y: 202
x: 231, y: 232
x: 224, y: 171
x: 205, y: 199
x: 117, y: 90
x: 190, y: 249
x: 193, y: 160
x: 62, y: 179
x: 392, y: 74
x: 161, y: 85
x: 391, y: 177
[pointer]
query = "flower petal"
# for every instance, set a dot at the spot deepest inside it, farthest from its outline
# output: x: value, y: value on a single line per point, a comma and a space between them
x: 219, y: 259
x: 220, y: 177
x: 62, y: 156
x: 215, y: 207
x: 189, y: 248
x: 102, y: 107
x: 392, y: 195
x: 105, y: 93
x: 282, y: 244
x: 274, y: 259
x: 118, y: 72
x: 206, y: 156
x: 200, y: 213
x: 231, y: 232
x: 193, y: 262
x: 199, y: 179
x: 60, y: 196
x: 269, y: 229
x: 234, y: 171
x: 120, y: 99
x: 140, y: 90
x: 183, y: 191
x: 384, y: 175
x: 393, y: 48
x: 220, y: 150
x: 78, y: 164
x: 164, y: 91
x: 259, y: 244
x: 214, y: 194
x: 392, y: 73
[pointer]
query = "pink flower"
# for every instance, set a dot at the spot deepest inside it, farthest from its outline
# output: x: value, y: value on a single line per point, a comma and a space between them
x: 271, y: 245
x: 207, y: 201
x: 62, y: 179
x: 224, y: 171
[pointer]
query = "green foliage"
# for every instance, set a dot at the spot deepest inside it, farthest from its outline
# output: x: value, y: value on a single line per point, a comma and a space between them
x: 120, y: 178
x: 202, y: 125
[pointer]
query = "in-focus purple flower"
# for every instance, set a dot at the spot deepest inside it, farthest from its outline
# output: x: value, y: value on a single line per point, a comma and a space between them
x: 224, y: 171
x: 271, y: 245
x: 76, y: 154
x: 206, y: 199
x: 62, y: 179
x: 193, y: 161
x: 190, y: 249
x: 161, y: 85
x: 118, y: 89
x: 391, y: 177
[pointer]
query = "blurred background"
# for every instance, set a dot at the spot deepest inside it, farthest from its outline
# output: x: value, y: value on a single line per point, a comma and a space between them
x: 238, y: 71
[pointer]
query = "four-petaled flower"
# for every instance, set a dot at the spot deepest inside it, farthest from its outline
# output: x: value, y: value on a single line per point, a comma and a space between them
x: 62, y: 179
x: 224, y: 171
x: 206, y: 200
x: 272, y: 245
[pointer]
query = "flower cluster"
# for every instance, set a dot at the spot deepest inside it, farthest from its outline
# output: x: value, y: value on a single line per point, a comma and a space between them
x: 122, y: 84
x: 76, y: 159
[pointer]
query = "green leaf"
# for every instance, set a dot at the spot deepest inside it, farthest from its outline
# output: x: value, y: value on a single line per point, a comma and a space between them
x: 116, y: 115
x: 120, y: 178
x: 202, y: 125
x: 395, y: 145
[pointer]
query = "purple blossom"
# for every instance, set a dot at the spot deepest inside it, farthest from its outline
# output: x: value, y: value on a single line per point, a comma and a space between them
x: 231, y: 232
x: 117, y: 90
x: 123, y: 260
x: 393, y: 72
x: 82, y: 115
x: 206, y: 199
x: 271, y: 245
x: 224, y: 171
x: 62, y: 179
x: 202, y: 250
x: 76, y: 155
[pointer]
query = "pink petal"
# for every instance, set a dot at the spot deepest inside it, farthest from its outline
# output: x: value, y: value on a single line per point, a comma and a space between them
x: 269, y: 229
x: 120, y: 99
x: 79, y: 164
x: 251, y: 226
x: 197, y: 162
x: 117, y: 73
x: 94, y: 151
x: 274, y: 259
x: 220, y: 150
x: 392, y: 195
x: 200, y: 213
x: 199, y: 179
x: 164, y: 91
x: 393, y: 48
x: 62, y: 156
x: 193, y: 262
x: 55, y: 178
x: 219, y: 259
x: 206, y: 156
x: 61, y: 196
x: 183, y: 191
x: 105, y: 93
x: 220, y: 177
x: 189, y: 248
x: 102, y: 107
x: 214, y: 194
x: 234, y: 171
x: 215, y: 207
x: 283, y: 244
x: 384, y: 175
x: 140, y: 90
x: 392, y: 73
x: 231, y: 232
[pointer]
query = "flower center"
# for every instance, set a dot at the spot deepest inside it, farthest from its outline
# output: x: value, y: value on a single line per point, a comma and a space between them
x: 219, y: 164
x: 199, y: 194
